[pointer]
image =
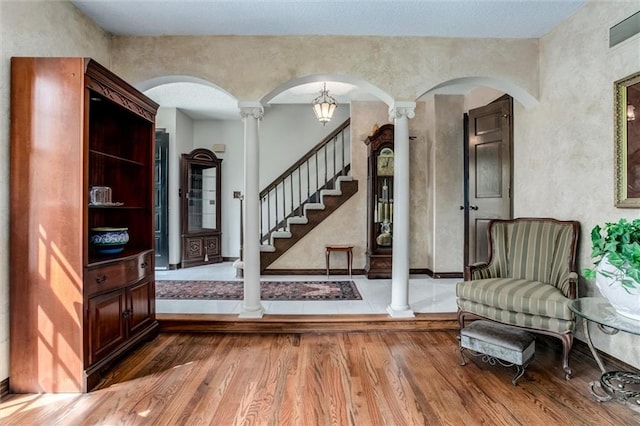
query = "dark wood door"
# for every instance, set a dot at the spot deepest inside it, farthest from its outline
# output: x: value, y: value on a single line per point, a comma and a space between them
x: 161, y: 211
x: 107, y: 328
x: 490, y: 173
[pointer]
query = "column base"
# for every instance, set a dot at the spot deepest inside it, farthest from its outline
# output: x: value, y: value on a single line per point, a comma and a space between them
x: 253, y: 313
x: 400, y: 313
x: 239, y: 266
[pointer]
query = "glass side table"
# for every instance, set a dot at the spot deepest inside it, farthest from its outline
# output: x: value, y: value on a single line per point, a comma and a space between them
x: 621, y: 386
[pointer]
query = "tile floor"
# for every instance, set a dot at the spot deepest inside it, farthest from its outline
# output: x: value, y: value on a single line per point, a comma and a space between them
x: 426, y: 295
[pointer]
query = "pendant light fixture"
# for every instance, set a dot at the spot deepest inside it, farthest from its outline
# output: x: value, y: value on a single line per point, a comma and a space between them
x: 324, y: 106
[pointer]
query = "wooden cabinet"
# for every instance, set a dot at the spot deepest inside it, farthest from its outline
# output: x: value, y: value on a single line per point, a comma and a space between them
x: 200, y: 197
x: 73, y: 309
x: 380, y: 203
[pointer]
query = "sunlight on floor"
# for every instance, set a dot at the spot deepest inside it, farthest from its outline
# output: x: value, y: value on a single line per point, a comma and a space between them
x: 426, y: 295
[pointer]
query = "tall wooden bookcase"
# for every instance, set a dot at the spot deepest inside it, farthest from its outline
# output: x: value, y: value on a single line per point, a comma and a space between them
x: 73, y: 311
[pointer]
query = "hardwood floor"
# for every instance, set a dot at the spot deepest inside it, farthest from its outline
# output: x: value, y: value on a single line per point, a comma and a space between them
x: 373, y: 378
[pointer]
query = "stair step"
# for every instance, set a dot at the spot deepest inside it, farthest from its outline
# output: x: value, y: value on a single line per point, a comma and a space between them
x: 268, y: 248
x: 314, y: 206
x: 298, y: 220
x: 331, y: 192
x: 280, y: 234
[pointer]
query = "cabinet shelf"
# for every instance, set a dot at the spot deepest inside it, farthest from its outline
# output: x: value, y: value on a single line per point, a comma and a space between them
x: 93, y: 206
x: 116, y: 157
x: 96, y: 259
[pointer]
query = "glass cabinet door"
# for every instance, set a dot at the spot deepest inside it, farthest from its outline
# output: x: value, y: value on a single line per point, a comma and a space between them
x: 202, y: 198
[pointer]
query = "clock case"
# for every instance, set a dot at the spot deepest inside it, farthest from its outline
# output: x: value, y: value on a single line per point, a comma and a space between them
x: 380, y: 202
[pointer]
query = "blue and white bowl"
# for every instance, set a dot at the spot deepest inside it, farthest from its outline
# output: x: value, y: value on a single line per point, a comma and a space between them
x: 109, y: 240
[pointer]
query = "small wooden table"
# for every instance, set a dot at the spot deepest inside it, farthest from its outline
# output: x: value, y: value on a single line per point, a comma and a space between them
x: 340, y: 248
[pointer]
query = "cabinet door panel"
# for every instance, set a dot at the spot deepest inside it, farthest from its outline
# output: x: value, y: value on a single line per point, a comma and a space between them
x: 141, y: 306
x: 106, y: 324
x: 212, y: 245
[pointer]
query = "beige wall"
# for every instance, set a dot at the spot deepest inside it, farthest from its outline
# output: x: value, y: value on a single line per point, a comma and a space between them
x: 251, y: 67
x: 562, y: 146
x: 563, y: 150
x: 448, y: 168
x: 34, y: 29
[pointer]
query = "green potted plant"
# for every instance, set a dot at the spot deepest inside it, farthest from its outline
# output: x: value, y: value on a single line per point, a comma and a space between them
x: 616, y: 264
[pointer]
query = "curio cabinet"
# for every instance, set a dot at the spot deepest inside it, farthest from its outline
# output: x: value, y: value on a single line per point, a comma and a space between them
x: 200, y: 197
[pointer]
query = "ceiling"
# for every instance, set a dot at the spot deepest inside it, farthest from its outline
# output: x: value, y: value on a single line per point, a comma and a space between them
x: 432, y: 18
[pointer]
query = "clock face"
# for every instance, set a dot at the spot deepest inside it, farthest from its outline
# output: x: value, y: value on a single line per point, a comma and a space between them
x: 385, y: 162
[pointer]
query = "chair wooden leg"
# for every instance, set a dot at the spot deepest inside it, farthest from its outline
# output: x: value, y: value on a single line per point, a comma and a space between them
x: 461, y: 316
x: 567, y: 344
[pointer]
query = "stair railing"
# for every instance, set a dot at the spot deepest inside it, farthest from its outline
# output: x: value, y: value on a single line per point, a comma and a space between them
x: 301, y: 183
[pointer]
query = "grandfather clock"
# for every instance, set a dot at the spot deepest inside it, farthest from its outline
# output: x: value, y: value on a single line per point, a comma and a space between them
x: 380, y: 203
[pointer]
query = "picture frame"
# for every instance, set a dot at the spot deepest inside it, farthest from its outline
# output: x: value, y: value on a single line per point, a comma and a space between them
x: 627, y: 141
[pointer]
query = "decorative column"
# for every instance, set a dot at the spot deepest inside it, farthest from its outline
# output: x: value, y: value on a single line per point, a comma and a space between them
x: 251, y: 113
x: 400, y: 113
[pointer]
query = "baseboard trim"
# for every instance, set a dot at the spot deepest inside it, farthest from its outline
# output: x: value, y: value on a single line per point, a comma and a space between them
x: 437, y: 275
x: 312, y: 272
x: 413, y: 271
x: 4, y: 388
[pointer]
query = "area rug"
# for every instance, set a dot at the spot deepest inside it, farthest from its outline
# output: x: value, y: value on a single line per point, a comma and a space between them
x: 269, y: 290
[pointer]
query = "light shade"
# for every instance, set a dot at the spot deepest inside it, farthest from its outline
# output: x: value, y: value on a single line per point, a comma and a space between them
x: 324, y: 106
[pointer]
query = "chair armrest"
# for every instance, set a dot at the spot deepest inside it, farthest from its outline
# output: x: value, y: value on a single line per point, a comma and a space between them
x: 477, y: 271
x: 569, y: 287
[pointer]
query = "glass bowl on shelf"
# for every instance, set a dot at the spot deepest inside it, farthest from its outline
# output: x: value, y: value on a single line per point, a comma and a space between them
x: 108, y: 240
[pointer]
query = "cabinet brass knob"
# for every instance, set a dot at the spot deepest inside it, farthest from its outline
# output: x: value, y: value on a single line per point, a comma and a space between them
x: 101, y: 279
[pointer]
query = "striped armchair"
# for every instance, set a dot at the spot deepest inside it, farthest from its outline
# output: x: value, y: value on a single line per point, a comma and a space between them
x: 528, y: 281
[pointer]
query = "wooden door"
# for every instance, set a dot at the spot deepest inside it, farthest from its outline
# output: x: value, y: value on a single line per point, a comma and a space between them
x: 161, y: 210
x: 490, y: 172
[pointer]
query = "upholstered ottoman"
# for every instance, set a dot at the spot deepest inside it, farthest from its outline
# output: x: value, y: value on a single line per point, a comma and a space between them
x: 497, y: 343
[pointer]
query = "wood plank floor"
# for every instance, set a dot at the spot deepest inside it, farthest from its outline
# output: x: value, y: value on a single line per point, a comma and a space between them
x: 373, y: 378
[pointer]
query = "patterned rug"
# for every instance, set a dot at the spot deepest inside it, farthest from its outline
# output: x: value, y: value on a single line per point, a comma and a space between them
x: 269, y: 290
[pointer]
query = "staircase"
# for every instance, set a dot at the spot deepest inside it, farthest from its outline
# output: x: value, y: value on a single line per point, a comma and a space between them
x: 305, y: 194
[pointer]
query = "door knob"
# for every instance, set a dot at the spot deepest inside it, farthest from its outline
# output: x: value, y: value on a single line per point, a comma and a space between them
x: 473, y: 207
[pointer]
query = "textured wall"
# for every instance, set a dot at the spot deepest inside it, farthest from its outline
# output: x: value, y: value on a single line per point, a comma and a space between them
x: 33, y: 29
x: 251, y: 67
x: 563, y: 150
x: 448, y: 229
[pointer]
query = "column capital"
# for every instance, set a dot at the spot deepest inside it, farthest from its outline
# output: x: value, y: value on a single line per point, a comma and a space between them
x: 402, y: 110
x: 251, y: 109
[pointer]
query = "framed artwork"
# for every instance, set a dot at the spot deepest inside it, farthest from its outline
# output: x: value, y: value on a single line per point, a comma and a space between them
x: 627, y: 141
